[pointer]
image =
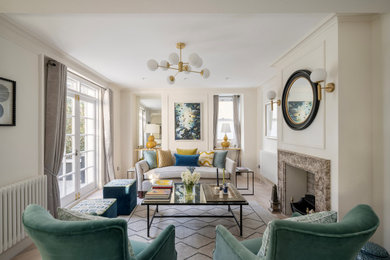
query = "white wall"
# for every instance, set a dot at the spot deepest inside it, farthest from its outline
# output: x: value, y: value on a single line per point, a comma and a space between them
x: 205, y: 97
x: 19, y: 149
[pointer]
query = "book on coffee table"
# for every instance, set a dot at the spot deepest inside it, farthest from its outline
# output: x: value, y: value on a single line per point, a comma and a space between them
x: 162, y: 184
x: 158, y: 194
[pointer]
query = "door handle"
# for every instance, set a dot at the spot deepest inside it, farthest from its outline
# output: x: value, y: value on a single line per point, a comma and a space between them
x: 77, y: 152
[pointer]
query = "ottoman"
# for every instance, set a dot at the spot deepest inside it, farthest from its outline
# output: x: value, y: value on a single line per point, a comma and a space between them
x: 125, y: 191
x: 99, y: 207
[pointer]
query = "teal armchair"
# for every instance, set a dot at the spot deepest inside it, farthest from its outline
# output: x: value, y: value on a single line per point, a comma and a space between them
x: 297, y: 240
x: 92, y: 239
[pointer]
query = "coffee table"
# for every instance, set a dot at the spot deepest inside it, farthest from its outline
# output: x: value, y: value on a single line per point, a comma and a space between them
x: 204, y: 194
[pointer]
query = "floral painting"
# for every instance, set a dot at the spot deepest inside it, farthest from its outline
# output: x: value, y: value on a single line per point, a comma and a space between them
x: 187, y: 121
x: 299, y: 111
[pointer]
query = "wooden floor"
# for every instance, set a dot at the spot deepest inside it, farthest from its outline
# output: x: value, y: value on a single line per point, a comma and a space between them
x: 263, y: 190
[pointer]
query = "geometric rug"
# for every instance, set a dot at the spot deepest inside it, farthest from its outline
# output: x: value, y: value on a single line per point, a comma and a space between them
x: 195, y: 237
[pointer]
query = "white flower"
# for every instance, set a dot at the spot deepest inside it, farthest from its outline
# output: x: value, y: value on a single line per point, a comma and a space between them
x: 190, y: 179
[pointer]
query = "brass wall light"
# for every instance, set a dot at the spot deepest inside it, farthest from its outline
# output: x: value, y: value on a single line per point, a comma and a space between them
x: 318, y: 76
x: 271, y: 95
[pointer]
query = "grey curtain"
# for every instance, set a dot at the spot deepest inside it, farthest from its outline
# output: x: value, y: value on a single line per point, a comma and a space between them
x: 108, y: 169
x: 55, y: 121
x: 237, y: 125
x: 215, y: 119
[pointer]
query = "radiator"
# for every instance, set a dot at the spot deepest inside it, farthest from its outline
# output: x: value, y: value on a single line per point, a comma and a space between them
x: 13, y: 200
x: 269, y: 165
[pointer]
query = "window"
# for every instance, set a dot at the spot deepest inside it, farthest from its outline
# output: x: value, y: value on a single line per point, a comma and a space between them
x: 78, y: 174
x: 141, y: 126
x: 225, y: 116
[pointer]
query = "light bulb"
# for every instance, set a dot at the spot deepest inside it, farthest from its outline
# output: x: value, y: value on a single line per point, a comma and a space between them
x: 195, y: 60
x: 174, y: 58
x: 152, y: 65
x: 205, y: 73
x: 271, y: 95
x: 171, y: 79
x: 164, y: 65
x: 318, y: 75
x: 188, y: 69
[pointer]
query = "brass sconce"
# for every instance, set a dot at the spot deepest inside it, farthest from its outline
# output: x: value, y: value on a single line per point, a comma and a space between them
x: 271, y: 95
x: 318, y: 76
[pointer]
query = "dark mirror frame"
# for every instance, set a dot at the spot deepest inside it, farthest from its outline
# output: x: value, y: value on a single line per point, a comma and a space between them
x: 316, y: 103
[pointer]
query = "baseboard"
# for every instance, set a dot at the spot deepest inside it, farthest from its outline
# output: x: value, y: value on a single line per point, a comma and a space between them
x: 16, y: 249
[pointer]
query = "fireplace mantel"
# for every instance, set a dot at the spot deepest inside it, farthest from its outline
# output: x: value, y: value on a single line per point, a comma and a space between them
x: 318, y: 166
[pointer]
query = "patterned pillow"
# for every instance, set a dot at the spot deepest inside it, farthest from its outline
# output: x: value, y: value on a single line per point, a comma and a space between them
x: 206, y: 158
x: 69, y: 215
x: 323, y: 217
x: 164, y: 158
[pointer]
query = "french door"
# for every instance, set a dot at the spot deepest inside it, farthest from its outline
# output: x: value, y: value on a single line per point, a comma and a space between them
x: 78, y: 175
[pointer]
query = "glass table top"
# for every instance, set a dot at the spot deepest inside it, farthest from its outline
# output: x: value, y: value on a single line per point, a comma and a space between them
x: 203, y: 194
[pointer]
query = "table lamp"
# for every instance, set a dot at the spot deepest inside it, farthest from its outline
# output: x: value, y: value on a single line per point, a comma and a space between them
x: 151, y: 129
x: 225, y: 129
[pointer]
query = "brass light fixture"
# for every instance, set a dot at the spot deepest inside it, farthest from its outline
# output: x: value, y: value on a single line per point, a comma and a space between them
x: 318, y: 76
x: 176, y: 63
x: 271, y: 95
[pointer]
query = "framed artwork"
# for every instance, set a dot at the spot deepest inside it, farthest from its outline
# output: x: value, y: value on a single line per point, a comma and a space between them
x: 7, y: 102
x: 187, y: 121
x: 271, y: 121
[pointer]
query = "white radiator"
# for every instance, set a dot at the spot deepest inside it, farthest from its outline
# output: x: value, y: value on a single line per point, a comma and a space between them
x: 269, y: 165
x: 13, y: 200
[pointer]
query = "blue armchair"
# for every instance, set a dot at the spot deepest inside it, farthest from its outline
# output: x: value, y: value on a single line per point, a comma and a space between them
x: 297, y: 240
x: 92, y: 239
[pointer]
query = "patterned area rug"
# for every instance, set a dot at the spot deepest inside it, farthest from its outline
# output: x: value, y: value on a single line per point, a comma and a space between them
x: 195, y: 237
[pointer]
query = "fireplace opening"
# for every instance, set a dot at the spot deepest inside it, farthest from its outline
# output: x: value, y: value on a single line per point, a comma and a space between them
x: 300, y: 190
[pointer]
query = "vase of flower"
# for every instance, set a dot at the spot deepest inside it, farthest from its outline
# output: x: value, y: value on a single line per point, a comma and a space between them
x: 189, y: 181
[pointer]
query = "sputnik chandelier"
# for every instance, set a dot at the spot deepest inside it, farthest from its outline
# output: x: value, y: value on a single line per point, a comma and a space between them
x: 176, y: 63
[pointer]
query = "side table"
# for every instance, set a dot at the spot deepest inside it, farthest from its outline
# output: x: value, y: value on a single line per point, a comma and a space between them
x: 248, y: 172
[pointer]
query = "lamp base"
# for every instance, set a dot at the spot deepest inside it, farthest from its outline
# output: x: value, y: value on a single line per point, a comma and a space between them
x: 225, y: 143
x: 151, y: 143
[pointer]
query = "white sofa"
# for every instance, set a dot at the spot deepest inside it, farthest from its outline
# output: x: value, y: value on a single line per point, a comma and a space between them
x: 207, y: 174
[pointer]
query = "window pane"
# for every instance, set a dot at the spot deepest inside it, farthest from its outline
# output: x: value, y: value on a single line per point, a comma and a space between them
x: 71, y: 84
x: 69, y: 106
x: 82, y: 143
x: 87, y: 126
x: 69, y: 184
x: 69, y: 163
x: 69, y: 125
x: 68, y: 144
x: 88, y: 91
x: 89, y: 142
x: 83, y: 180
x: 87, y: 160
x: 61, y: 186
x: 87, y: 109
x: 90, y: 175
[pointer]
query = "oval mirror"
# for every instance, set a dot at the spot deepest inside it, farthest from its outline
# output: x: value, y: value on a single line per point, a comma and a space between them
x: 299, y: 102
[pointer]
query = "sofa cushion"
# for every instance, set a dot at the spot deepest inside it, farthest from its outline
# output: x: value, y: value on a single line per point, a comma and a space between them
x: 174, y: 172
x: 186, y: 151
x: 206, y: 158
x: 151, y: 158
x: 164, y: 158
x: 186, y: 160
x: 322, y: 217
x: 220, y: 159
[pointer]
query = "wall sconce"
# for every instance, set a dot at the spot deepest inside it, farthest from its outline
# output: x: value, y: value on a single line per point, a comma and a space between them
x: 318, y: 76
x: 271, y: 95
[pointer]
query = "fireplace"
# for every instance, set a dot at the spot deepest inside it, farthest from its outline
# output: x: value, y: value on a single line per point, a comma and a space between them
x: 315, y: 179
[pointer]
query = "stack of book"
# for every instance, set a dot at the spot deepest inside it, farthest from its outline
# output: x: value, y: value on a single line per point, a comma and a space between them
x: 158, y: 195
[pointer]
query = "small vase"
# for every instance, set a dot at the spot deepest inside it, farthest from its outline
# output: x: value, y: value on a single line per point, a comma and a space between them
x: 189, y: 191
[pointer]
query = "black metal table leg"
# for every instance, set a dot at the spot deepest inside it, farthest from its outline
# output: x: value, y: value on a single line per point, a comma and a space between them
x: 241, y: 220
x: 157, y: 208
x: 147, y: 220
x: 229, y: 209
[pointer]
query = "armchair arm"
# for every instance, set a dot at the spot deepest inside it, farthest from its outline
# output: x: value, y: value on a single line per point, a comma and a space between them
x: 228, y: 247
x: 163, y: 247
x: 140, y: 168
x: 231, y: 168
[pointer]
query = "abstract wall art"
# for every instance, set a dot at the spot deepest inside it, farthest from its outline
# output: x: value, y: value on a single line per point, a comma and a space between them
x: 7, y: 102
x: 187, y: 121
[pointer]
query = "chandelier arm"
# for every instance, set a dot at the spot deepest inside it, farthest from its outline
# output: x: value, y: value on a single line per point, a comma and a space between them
x: 177, y: 73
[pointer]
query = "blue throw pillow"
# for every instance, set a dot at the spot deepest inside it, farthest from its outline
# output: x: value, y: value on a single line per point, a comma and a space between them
x: 186, y: 160
x: 151, y: 159
x: 220, y: 159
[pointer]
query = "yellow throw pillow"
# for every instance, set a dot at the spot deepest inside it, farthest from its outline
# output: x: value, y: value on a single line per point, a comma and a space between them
x: 206, y: 158
x: 164, y: 158
x: 186, y: 151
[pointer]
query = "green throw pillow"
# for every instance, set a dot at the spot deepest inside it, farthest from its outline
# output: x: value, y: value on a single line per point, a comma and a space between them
x: 220, y: 159
x: 322, y: 217
x: 151, y: 159
x: 70, y: 215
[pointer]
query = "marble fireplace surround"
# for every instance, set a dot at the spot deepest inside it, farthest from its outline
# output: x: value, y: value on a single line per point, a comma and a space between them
x: 318, y: 166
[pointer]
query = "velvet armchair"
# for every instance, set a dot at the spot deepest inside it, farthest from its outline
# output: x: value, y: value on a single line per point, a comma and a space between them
x: 304, y: 241
x: 92, y: 239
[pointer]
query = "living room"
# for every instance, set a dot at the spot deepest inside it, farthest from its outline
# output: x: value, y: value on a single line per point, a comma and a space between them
x: 232, y: 73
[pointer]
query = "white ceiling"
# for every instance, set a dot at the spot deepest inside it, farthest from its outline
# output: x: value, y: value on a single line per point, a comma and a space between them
x: 238, y: 47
